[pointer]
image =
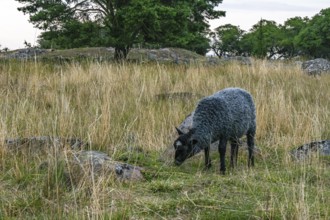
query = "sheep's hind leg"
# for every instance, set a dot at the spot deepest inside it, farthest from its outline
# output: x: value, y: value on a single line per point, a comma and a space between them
x: 250, y: 142
x: 207, y: 158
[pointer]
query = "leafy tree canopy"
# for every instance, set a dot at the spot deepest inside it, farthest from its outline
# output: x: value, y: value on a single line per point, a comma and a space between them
x: 226, y: 40
x: 266, y: 39
x: 180, y: 23
x: 290, y: 31
x: 314, y: 39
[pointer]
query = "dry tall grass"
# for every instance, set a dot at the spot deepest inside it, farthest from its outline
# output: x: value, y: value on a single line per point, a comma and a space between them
x: 113, y: 106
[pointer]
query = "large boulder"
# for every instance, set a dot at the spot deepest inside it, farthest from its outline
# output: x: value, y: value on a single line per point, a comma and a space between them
x: 241, y: 60
x: 97, y: 163
x: 26, y: 53
x: 238, y: 59
x: 165, y: 55
x: 86, y: 164
x: 316, y: 66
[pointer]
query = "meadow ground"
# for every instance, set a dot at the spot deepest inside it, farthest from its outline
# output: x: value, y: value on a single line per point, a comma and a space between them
x: 115, y: 107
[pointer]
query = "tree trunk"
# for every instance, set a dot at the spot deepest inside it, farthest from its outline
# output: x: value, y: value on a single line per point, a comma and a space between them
x: 121, y: 52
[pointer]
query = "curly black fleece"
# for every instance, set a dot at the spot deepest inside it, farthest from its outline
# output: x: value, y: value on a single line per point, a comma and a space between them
x: 226, y: 116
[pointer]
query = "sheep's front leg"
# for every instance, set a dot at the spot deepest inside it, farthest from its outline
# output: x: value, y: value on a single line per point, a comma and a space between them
x: 207, y: 158
x: 222, y: 152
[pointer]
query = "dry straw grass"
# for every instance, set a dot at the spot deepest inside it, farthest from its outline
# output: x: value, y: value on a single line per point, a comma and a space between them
x: 113, y: 106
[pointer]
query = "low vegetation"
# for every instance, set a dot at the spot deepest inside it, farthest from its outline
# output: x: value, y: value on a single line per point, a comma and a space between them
x: 115, y: 108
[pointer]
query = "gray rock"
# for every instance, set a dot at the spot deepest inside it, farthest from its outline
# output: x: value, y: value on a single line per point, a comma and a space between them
x: 213, y: 60
x: 84, y: 163
x: 316, y: 66
x: 166, y: 55
x: 239, y: 59
x: 110, y: 49
x: 226, y: 60
x: 306, y: 150
x: 26, y: 53
x: 152, y: 56
x: 98, y: 163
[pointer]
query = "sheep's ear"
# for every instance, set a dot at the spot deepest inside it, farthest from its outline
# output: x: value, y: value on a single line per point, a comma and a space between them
x: 179, y: 131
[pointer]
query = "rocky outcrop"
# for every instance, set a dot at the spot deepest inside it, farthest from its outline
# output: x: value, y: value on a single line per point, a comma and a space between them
x: 316, y: 66
x: 165, y: 55
x: 238, y: 59
x: 306, y: 150
x: 99, y: 163
x: 227, y: 60
x: 72, y: 152
x: 27, y: 53
x: 139, y: 55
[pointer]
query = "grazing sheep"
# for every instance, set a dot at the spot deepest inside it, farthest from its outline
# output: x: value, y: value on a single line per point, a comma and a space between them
x: 225, y: 116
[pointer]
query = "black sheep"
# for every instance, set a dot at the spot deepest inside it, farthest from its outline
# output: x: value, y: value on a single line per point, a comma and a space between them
x: 225, y: 116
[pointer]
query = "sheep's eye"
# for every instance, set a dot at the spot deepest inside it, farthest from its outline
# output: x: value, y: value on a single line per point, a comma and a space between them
x: 193, y: 142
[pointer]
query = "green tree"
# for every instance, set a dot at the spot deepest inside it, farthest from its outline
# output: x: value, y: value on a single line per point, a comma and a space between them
x: 180, y: 23
x: 226, y: 40
x: 290, y: 30
x: 313, y: 40
x: 263, y: 40
x: 74, y: 34
x: 247, y: 43
x: 47, y: 15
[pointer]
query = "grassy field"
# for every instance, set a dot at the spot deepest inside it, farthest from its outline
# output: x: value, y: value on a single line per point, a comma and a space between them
x: 116, y: 108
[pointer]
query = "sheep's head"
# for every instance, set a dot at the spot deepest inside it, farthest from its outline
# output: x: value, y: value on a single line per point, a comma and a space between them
x: 185, y: 146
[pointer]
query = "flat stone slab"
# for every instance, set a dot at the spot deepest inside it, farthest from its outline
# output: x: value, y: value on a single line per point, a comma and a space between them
x: 306, y: 150
x: 86, y: 163
x: 98, y: 163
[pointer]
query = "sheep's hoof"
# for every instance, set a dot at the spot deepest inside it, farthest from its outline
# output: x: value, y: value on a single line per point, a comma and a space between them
x: 222, y: 172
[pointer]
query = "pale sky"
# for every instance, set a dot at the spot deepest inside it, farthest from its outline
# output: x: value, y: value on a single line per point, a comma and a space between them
x: 15, y: 28
x: 246, y: 13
